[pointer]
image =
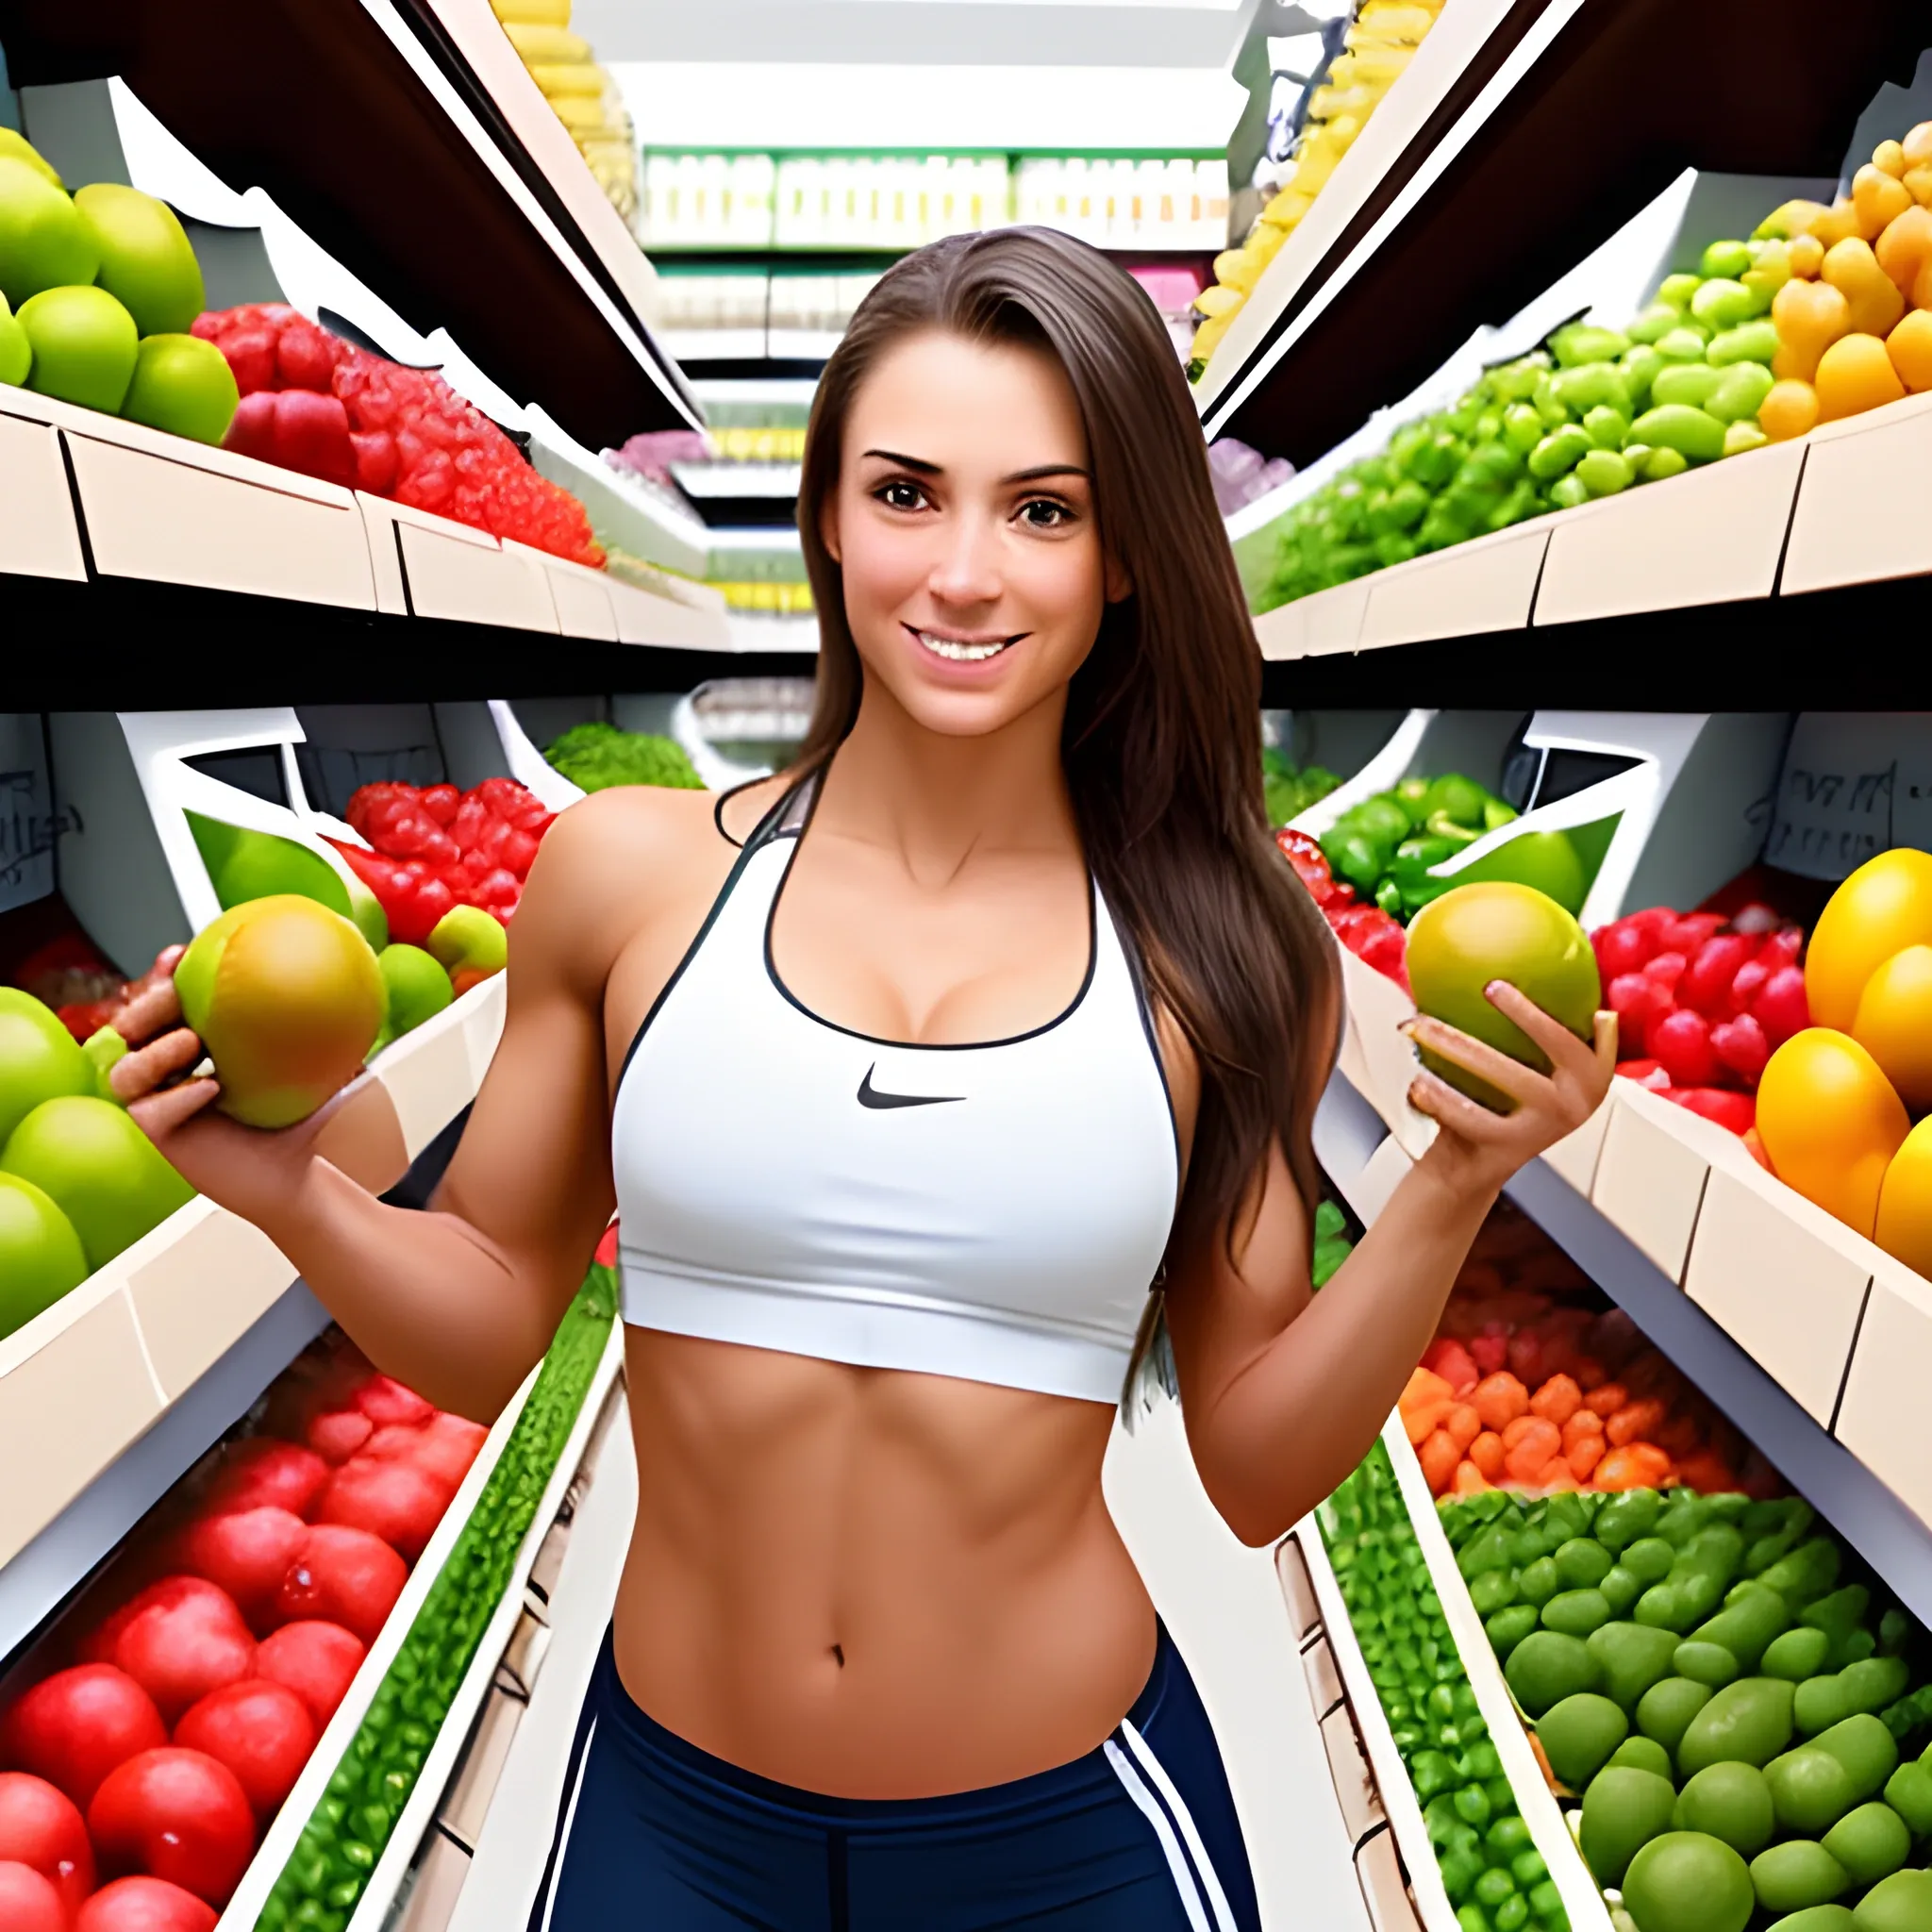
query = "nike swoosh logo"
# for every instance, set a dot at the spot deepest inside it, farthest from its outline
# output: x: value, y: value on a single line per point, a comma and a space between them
x: 870, y: 1095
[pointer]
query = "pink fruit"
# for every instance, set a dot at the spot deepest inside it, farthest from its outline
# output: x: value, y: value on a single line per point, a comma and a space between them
x: 72, y: 1728
x: 41, y: 1827
x: 262, y: 1731
x: 247, y: 1553
x: 1680, y: 1044
x: 1748, y: 982
x: 1755, y: 918
x: 1781, y: 1008
x: 317, y: 1662
x: 1742, y: 1047
x: 178, y: 1815
x: 144, y: 1905
x: 1665, y: 968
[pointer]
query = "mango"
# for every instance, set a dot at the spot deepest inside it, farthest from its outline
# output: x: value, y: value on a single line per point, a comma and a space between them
x: 41, y: 1256
x: 1894, y: 1023
x: 148, y: 261
x: 1623, y: 1810
x: 84, y: 345
x: 1748, y: 1723
x: 1499, y: 930
x: 1883, y: 906
x: 183, y: 385
x: 1795, y: 1875
x: 1830, y: 1122
x: 97, y: 1166
x: 288, y: 998
x: 1687, y: 1881
x: 1869, y: 1842
x: 1580, y: 1734
x: 1903, y: 1223
x: 1731, y: 1802
x: 43, y: 241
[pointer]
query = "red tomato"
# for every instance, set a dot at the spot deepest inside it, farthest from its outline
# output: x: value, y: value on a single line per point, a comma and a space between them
x: 260, y: 1472
x: 101, y: 1645
x: 178, y: 1643
x: 177, y: 1815
x: 144, y: 1905
x: 41, y: 1827
x: 262, y: 1731
x: 445, y: 1446
x: 246, y: 1553
x: 317, y: 1662
x: 338, y: 1433
x: 342, y: 1575
x: 28, y: 1902
x: 399, y: 1501
x: 72, y: 1728
x: 383, y: 1399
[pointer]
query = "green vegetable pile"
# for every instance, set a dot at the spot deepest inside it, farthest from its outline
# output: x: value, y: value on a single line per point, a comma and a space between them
x: 1733, y: 1713
x: 1494, y: 1877
x: 1288, y: 793
x: 1332, y: 1245
x: 1592, y: 412
x: 320, y: 1887
x: 597, y: 755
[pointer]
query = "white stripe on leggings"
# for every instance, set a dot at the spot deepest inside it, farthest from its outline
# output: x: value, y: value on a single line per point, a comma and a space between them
x: 1176, y: 1858
x: 570, y: 1818
x: 1223, y: 1914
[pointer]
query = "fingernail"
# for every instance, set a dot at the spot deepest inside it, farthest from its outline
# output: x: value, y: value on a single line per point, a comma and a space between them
x: 1494, y: 986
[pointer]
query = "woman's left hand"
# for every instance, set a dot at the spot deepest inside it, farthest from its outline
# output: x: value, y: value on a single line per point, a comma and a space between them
x: 1483, y: 1148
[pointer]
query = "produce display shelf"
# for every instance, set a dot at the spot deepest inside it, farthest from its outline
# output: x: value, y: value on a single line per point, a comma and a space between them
x: 490, y: 239
x: 1522, y: 167
x: 1771, y: 530
x: 393, y: 1863
x: 1809, y: 1339
x: 178, y: 1334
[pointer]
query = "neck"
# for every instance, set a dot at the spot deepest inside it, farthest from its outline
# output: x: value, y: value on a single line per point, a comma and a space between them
x: 938, y: 798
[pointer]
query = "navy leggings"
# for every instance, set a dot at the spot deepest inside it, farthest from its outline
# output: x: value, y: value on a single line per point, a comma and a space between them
x: 1137, y: 1836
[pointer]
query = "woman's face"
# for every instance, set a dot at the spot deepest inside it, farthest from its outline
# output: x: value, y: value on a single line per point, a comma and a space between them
x: 964, y: 524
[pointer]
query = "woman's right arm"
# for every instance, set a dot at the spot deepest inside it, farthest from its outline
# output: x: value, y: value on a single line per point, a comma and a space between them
x: 458, y: 1302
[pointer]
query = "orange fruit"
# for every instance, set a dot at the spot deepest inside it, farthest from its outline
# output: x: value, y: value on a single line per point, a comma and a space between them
x: 1790, y: 410
x: 1878, y: 910
x: 1830, y: 1122
x: 1894, y: 1023
x: 1854, y: 374
x: 1905, y: 1201
x: 1910, y: 345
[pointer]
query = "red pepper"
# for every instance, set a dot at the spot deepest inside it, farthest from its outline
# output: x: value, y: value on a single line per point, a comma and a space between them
x: 1735, y: 1111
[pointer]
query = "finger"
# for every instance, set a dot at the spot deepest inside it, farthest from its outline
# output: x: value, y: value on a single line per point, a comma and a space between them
x: 1607, y: 1044
x: 149, y: 1068
x: 1475, y: 1057
x: 1434, y: 1096
x: 153, y: 1010
x: 1565, y: 1051
x: 158, y: 1115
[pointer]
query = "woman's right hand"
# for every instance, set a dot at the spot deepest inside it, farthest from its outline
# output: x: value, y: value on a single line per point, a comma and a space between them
x: 254, y: 1173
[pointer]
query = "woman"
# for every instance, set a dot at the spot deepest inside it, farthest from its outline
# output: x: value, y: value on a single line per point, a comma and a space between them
x: 907, y: 1070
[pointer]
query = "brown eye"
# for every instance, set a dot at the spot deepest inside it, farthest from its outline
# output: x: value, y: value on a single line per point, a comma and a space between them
x: 1042, y: 513
x: 900, y: 494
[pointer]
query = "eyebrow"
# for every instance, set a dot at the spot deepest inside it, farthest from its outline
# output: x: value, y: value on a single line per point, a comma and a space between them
x: 1036, y: 474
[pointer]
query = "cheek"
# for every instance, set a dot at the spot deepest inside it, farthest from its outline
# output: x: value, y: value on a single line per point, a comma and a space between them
x: 882, y: 565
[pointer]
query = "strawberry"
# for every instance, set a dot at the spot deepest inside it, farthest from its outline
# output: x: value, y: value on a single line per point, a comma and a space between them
x: 1680, y: 1044
x: 1706, y: 982
x: 1639, y: 1002
x: 1687, y: 932
x: 1742, y: 1047
x: 1665, y: 968
x: 1781, y: 1008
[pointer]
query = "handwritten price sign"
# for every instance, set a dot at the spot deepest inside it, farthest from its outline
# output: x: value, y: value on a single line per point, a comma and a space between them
x: 1854, y: 784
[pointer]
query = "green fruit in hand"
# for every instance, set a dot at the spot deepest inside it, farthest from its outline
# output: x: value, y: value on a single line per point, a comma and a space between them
x: 41, y: 1256
x: 1458, y: 943
x: 1687, y: 1881
x: 38, y: 1058
x: 148, y: 261
x: 14, y: 146
x: 1580, y: 1734
x: 183, y: 385
x: 288, y: 998
x: 16, y: 352
x: 1902, y: 1902
x: 84, y: 345
x: 1623, y: 1810
x: 418, y: 987
x: 1871, y: 1842
x: 1731, y: 1802
x: 43, y: 241
x: 1795, y: 1875
x: 101, y: 1170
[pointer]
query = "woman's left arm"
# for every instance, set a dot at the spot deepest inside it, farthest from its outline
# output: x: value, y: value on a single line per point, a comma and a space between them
x: 1283, y: 1393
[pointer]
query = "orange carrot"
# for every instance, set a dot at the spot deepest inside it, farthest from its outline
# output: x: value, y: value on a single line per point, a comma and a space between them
x: 1533, y: 1449
x: 1584, y: 1454
x: 1485, y: 1452
x: 1607, y: 1399
x: 1464, y: 1426
x: 1557, y: 1475
x: 1518, y: 1429
x: 1469, y: 1480
x: 1585, y: 1423
x: 1557, y: 1400
x: 1499, y: 1399
x: 1633, y: 1466
x: 1424, y: 1387
x: 1439, y: 1456
x: 1634, y: 1423
x: 1423, y: 1420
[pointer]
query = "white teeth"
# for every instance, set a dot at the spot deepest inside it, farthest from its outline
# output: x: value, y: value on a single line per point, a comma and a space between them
x: 959, y: 649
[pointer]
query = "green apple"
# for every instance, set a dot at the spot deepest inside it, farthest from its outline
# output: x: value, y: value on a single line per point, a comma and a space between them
x: 84, y: 346
x: 365, y: 909
x: 41, y: 1256
x: 418, y: 987
x: 43, y: 241
x: 183, y: 385
x: 287, y: 997
x: 148, y: 261
x: 14, y: 146
x: 38, y: 1058
x: 16, y: 352
x: 99, y: 1169
x: 469, y: 944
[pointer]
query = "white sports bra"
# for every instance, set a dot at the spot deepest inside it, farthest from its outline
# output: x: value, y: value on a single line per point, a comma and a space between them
x: 993, y: 1212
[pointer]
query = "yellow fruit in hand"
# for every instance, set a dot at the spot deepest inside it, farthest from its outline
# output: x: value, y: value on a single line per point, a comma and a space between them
x: 1905, y: 1201
x: 1910, y: 345
x: 1854, y: 374
x: 1830, y: 1122
x: 1880, y: 910
x: 1894, y: 1023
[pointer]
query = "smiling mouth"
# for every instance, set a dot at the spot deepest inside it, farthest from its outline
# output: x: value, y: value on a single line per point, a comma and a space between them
x: 968, y: 650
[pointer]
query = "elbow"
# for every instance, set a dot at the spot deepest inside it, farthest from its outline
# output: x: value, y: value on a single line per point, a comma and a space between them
x: 1254, y: 1517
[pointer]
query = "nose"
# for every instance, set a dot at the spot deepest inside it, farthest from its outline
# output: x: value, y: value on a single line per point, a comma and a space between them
x: 966, y: 570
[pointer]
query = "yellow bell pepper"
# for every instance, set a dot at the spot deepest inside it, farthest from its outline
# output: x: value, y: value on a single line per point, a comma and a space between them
x: 1854, y: 374
x: 1879, y: 198
x: 1910, y: 345
x: 1837, y: 222
x: 1852, y: 268
x: 1809, y: 317
x: 1789, y: 410
x: 1890, y: 158
x: 1905, y: 247
x: 1807, y: 256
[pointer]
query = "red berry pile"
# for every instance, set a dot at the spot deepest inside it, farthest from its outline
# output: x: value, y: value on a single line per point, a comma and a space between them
x: 436, y: 847
x: 1374, y: 937
x: 1702, y: 1002
x: 314, y: 403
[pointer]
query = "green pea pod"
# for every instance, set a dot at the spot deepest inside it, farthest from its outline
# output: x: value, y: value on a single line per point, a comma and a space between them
x: 1674, y: 291
x: 1723, y: 303
x: 1582, y: 389
x: 1543, y: 399
x: 1638, y: 370
x: 1568, y: 492
x: 1696, y: 437
x: 1750, y: 342
x: 1606, y: 426
x: 1604, y: 473
x: 1740, y: 392
x: 1683, y: 344
x: 1662, y: 463
x: 1724, y: 259
x: 1685, y: 382
x: 1441, y: 529
x: 1434, y: 462
x: 1390, y: 550
x: 1523, y: 429
x: 1579, y: 343
x: 1561, y: 450
x: 1514, y: 382
x: 1659, y: 318
x: 1636, y: 454
x: 1494, y: 461
x: 1522, y: 501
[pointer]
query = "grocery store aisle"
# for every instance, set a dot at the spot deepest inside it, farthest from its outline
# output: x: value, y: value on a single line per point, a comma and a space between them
x: 1225, y: 1608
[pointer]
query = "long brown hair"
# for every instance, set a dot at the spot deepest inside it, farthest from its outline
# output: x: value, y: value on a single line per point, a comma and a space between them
x: 1161, y: 740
